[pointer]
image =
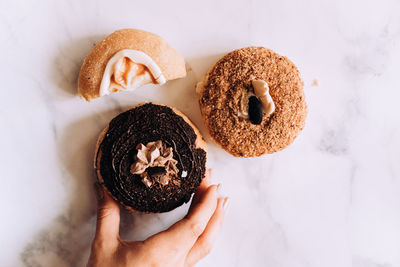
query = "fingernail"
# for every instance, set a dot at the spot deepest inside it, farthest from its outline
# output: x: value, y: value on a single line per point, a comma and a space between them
x: 219, y: 191
x: 99, y: 191
x: 219, y: 186
x: 226, y: 203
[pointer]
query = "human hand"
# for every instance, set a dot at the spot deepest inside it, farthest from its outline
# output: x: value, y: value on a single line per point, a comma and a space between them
x: 181, y: 245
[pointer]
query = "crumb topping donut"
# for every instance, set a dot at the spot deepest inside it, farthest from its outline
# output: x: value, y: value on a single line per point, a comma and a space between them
x: 252, y: 102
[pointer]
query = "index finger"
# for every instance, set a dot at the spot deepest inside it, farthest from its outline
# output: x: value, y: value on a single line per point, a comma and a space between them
x: 205, y: 183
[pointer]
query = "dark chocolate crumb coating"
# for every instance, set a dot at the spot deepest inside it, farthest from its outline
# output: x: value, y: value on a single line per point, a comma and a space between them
x: 143, y: 124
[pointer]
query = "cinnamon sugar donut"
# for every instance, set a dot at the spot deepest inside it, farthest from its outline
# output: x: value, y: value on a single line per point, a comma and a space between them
x: 235, y: 115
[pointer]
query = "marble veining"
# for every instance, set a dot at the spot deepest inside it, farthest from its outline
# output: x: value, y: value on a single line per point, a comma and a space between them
x: 330, y: 199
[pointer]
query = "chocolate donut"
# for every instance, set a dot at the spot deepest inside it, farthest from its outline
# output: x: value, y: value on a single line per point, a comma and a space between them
x: 151, y: 158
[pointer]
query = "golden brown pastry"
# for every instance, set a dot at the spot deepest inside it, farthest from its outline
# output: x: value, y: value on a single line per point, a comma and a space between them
x: 128, y: 59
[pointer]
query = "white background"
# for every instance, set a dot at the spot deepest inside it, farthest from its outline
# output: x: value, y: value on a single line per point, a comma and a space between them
x: 330, y: 199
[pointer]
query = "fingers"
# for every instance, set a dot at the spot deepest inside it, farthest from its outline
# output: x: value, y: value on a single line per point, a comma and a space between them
x: 205, y: 183
x: 185, y: 232
x: 207, y: 239
x: 108, y: 217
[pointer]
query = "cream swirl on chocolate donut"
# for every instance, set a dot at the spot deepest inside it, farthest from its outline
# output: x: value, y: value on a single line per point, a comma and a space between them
x: 118, y: 150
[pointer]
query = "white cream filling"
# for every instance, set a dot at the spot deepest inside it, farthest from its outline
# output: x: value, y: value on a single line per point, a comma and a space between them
x: 131, y: 69
x: 261, y: 90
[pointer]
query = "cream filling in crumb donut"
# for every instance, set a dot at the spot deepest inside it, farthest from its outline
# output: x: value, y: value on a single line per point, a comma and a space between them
x: 261, y: 90
x: 129, y: 69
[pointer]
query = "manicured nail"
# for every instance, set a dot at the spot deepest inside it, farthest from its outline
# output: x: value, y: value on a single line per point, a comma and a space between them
x: 226, y: 203
x: 99, y: 191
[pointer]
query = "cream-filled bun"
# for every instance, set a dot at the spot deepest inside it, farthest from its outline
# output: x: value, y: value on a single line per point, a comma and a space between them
x: 126, y: 60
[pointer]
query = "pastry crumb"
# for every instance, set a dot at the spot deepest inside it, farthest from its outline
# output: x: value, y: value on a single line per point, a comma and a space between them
x: 315, y: 83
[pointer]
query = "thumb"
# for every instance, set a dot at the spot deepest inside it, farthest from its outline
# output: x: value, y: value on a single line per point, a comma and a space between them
x: 108, y: 216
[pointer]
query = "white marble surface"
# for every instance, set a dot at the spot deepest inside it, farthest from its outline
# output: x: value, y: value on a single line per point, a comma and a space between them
x: 330, y: 199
